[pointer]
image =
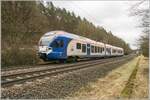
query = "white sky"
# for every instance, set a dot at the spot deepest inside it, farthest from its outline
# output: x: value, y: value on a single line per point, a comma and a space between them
x: 112, y: 15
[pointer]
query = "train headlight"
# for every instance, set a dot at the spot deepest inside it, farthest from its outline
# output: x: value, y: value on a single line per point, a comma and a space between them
x: 48, y: 49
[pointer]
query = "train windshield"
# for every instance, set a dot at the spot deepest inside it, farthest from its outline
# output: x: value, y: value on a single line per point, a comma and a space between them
x: 44, y: 42
x: 57, y: 44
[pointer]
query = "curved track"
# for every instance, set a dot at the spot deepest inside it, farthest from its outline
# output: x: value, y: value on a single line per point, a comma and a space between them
x: 12, y: 79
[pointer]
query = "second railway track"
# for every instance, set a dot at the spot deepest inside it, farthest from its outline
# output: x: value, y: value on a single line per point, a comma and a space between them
x: 11, y: 79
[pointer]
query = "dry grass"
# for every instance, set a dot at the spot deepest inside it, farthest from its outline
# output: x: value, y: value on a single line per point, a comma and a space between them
x: 109, y: 86
x: 140, y: 89
x: 127, y: 91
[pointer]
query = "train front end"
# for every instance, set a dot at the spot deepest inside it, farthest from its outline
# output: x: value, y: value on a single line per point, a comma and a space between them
x: 53, y: 46
x: 44, y: 48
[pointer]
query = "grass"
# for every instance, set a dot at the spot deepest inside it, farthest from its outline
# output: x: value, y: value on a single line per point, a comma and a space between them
x: 127, y: 91
x: 108, y: 85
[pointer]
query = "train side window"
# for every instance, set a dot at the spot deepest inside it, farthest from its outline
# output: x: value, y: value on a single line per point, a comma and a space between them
x: 98, y: 49
x: 101, y: 49
x: 61, y: 44
x: 78, y: 45
x: 95, y: 49
x: 83, y: 47
x: 114, y: 51
x: 92, y: 49
x: 120, y: 51
x: 107, y: 50
x: 55, y: 44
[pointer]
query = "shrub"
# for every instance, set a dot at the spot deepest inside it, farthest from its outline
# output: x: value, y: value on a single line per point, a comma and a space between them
x: 16, y: 56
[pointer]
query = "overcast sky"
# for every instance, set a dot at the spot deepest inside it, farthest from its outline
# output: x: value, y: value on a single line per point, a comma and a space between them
x: 112, y: 15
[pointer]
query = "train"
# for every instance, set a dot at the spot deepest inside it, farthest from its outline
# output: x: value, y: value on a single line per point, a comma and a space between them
x: 61, y: 46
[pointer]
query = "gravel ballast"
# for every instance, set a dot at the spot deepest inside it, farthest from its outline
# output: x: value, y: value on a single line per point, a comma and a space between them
x: 59, y: 86
x: 110, y: 86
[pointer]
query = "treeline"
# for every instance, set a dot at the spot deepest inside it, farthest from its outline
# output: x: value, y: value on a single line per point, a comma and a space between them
x: 24, y: 22
x: 145, y: 24
x: 144, y: 44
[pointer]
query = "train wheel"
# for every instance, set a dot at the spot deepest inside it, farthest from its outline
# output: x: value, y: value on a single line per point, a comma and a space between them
x: 62, y: 61
x: 44, y: 59
x: 74, y: 59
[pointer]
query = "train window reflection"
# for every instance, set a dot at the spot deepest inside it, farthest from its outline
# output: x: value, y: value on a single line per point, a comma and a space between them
x: 58, y: 43
x: 83, y: 47
x: 44, y: 43
x: 92, y: 49
x: 78, y: 45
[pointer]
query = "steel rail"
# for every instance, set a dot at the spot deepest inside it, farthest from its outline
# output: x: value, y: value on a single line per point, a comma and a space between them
x: 56, y: 70
x: 45, y: 64
x: 49, y: 63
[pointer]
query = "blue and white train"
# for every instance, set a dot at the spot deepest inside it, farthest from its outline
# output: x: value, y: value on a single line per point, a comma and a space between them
x: 60, y: 45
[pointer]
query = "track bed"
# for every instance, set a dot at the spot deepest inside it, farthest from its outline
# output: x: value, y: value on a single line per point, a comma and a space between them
x: 68, y: 84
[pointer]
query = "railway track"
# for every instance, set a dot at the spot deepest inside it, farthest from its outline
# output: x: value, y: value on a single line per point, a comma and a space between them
x: 11, y: 79
x: 55, y: 63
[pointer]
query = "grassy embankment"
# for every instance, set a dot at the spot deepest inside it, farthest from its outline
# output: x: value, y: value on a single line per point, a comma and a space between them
x: 137, y: 85
x: 127, y: 91
x: 109, y: 86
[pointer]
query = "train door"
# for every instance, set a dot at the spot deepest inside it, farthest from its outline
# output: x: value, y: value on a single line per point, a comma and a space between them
x: 88, y: 49
x: 110, y: 51
x: 105, y: 49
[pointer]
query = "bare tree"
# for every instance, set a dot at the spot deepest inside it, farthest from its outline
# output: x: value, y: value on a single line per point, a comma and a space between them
x: 143, y: 13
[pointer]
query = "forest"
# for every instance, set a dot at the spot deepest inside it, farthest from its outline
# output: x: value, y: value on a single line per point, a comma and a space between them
x: 24, y: 22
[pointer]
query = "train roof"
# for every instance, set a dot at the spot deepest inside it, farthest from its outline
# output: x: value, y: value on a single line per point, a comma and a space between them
x: 77, y: 37
x: 114, y: 47
x: 70, y: 35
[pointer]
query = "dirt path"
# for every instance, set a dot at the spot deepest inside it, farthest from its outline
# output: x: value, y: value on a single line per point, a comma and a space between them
x: 140, y: 89
x: 109, y: 86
